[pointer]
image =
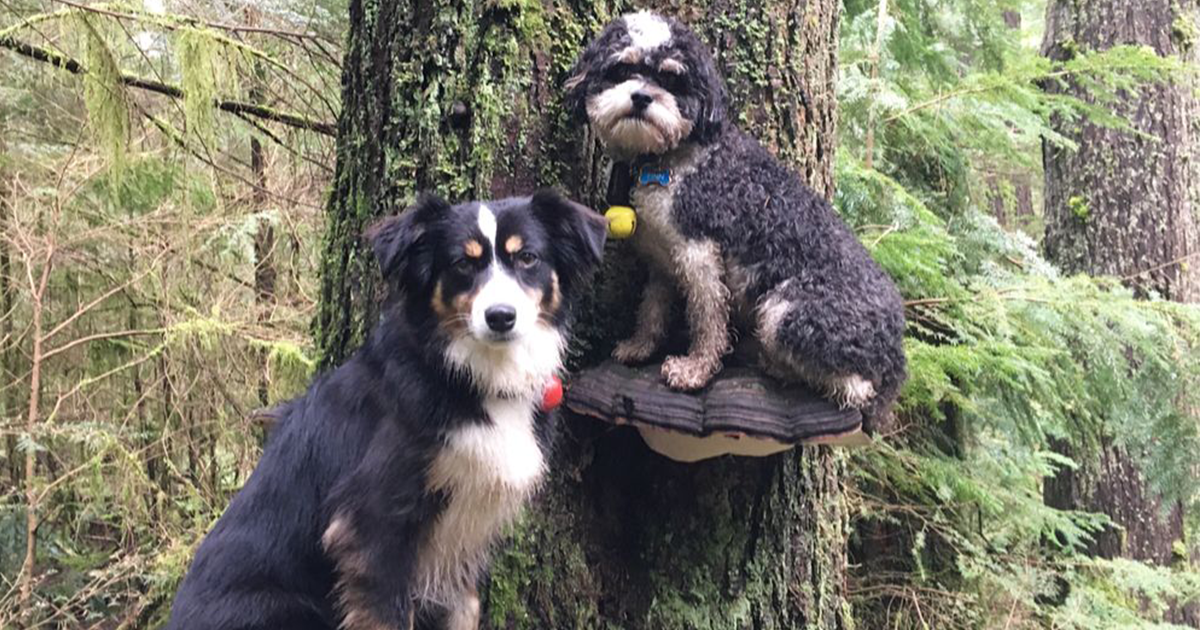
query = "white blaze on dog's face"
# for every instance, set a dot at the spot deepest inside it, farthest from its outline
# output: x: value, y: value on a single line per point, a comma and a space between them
x: 647, y: 31
x: 646, y: 85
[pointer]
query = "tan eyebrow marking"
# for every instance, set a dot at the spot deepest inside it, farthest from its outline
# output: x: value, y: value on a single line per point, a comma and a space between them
x: 473, y: 249
x: 513, y: 244
x: 631, y: 54
x: 672, y: 66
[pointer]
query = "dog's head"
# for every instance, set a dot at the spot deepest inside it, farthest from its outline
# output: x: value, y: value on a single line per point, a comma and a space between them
x: 646, y: 84
x: 493, y: 279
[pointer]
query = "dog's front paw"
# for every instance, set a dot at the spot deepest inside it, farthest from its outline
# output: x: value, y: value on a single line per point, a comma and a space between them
x: 633, y: 351
x: 689, y: 373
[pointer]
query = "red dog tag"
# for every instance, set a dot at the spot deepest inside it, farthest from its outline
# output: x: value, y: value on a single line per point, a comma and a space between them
x: 553, y: 394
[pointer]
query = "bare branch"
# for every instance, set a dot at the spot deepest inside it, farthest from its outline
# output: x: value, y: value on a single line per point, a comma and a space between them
x: 46, y: 55
x: 193, y: 21
x: 90, y: 305
x: 100, y: 336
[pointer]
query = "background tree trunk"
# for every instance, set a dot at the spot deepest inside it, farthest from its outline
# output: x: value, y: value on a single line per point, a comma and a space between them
x: 8, y: 367
x: 1123, y: 205
x: 462, y: 97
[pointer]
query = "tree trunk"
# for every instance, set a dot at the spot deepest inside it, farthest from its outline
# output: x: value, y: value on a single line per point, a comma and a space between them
x: 1010, y: 194
x: 8, y: 363
x: 1122, y: 205
x: 463, y: 97
x: 1010, y: 197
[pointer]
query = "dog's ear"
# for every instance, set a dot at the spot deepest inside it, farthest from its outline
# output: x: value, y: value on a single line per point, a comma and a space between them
x: 590, y: 61
x: 710, y: 120
x: 575, y: 95
x: 398, y: 241
x: 577, y: 231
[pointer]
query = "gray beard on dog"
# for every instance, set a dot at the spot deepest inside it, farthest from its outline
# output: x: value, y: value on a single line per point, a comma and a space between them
x: 659, y: 128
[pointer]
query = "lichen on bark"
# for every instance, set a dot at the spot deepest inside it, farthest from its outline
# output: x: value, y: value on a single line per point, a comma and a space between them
x: 1124, y: 202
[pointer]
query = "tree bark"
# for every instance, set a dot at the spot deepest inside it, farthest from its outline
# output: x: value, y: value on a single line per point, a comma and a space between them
x: 1010, y: 196
x: 8, y: 364
x: 1123, y: 205
x: 462, y: 97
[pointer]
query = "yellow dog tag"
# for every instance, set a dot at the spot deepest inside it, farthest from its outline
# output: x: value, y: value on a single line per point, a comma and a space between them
x: 622, y: 221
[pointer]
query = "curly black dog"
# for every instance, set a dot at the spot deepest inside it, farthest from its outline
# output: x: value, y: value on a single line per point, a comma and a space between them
x: 382, y: 488
x: 723, y: 222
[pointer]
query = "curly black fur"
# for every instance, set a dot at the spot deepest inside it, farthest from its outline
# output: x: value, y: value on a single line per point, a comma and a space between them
x: 847, y: 316
x: 781, y: 251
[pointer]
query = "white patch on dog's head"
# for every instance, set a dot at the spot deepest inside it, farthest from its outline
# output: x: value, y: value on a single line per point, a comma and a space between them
x: 647, y: 30
x: 487, y: 223
x: 660, y: 127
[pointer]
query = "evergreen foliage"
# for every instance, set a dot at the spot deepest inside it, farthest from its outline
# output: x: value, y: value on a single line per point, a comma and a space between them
x: 1007, y: 357
x: 147, y: 425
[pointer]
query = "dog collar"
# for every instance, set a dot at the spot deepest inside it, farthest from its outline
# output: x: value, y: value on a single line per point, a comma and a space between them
x: 650, y: 174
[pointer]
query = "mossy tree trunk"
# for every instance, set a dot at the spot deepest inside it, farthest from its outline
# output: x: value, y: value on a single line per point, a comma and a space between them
x: 1123, y: 205
x: 462, y: 97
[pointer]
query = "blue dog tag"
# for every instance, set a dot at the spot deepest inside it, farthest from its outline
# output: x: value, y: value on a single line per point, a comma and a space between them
x: 648, y: 176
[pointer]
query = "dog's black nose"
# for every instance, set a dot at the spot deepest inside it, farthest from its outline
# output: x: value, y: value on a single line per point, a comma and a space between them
x: 501, y: 317
x: 641, y: 100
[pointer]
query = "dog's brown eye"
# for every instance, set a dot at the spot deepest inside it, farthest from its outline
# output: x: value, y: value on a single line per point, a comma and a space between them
x: 526, y: 259
x: 672, y: 82
x: 465, y: 266
x: 618, y: 72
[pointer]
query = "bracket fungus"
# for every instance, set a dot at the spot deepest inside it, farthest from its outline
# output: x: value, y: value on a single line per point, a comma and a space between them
x: 741, y: 412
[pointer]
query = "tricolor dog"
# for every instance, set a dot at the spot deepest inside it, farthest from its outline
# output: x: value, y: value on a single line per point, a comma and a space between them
x: 382, y: 488
x: 729, y: 230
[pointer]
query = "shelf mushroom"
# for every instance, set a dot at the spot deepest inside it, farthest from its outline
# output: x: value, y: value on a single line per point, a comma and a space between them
x: 742, y: 412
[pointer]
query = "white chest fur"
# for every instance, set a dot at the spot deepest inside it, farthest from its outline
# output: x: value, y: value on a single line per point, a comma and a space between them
x: 657, y: 238
x: 487, y: 471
